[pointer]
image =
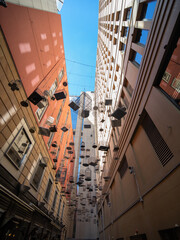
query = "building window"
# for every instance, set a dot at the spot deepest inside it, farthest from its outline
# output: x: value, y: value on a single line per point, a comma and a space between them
x: 40, y: 111
x: 64, y: 100
x: 114, y: 41
x: 62, y: 212
x: 166, y: 77
x: 118, y: 14
x: 66, y: 118
x: 128, y: 87
x: 50, y: 139
x: 87, y: 126
x: 58, y: 116
x: 55, y: 198
x: 116, y: 29
x: 61, y: 74
x: 123, y: 167
x: 136, y: 58
x: 125, y: 31
x: 59, y: 207
x: 61, y: 137
x: 141, y: 36
x: 160, y: 147
x: 36, y: 179
x: 19, y: 147
x: 127, y: 14
x: 146, y: 10
x: 176, y: 84
x: 53, y: 88
x: 48, y: 190
x: 170, y: 82
x: 122, y: 46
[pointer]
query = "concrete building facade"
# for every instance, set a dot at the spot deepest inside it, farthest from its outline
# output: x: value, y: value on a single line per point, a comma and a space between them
x: 37, y: 155
x: 45, y: 5
x: 137, y: 99
x: 85, y: 222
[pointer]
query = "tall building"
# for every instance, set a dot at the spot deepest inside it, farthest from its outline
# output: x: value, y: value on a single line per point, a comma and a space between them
x: 137, y: 99
x: 45, y: 5
x: 85, y: 222
x: 37, y: 148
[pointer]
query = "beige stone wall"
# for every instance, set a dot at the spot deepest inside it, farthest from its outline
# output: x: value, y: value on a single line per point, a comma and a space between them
x: 12, y: 117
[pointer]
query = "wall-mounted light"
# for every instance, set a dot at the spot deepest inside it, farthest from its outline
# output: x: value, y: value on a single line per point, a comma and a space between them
x: 3, y: 3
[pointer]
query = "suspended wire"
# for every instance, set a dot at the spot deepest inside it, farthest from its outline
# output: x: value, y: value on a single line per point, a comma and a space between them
x: 87, y: 65
x: 80, y: 75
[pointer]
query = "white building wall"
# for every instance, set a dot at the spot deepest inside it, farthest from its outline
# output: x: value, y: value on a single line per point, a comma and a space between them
x: 45, y: 5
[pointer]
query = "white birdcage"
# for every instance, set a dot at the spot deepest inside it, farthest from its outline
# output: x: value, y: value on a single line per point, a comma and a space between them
x: 88, y: 174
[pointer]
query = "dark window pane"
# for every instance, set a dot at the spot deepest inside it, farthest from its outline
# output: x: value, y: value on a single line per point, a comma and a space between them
x: 54, y: 201
x: 128, y: 14
x: 37, y: 177
x: 141, y: 36
x: 147, y: 10
x: 150, y: 10
x: 48, y: 189
x: 137, y: 58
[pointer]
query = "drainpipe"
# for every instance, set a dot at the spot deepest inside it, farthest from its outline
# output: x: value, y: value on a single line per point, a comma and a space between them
x: 103, y: 223
x: 132, y: 171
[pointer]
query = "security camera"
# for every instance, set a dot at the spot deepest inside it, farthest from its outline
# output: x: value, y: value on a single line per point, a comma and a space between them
x: 131, y: 169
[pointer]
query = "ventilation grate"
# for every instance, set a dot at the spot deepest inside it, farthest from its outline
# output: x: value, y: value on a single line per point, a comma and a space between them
x: 161, y: 148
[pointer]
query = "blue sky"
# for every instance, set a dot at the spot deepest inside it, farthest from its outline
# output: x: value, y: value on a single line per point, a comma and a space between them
x: 80, y: 29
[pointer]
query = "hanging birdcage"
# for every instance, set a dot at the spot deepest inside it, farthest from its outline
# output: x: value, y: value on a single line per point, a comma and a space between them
x: 54, y: 144
x: 54, y: 166
x: 88, y: 195
x: 94, y: 145
x: 92, y: 161
x: 85, y: 162
x: 63, y: 190
x: 97, y: 168
x: 68, y: 189
x: 81, y: 173
x: 71, y: 179
x: 83, y: 201
x: 88, y: 174
x: 83, y: 144
x: 90, y: 188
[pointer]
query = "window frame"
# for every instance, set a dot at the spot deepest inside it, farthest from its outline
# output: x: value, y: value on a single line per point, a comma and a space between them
x: 55, y: 199
x: 42, y: 112
x: 61, y: 75
x: 35, y: 168
x: 6, y: 146
x: 47, y: 199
